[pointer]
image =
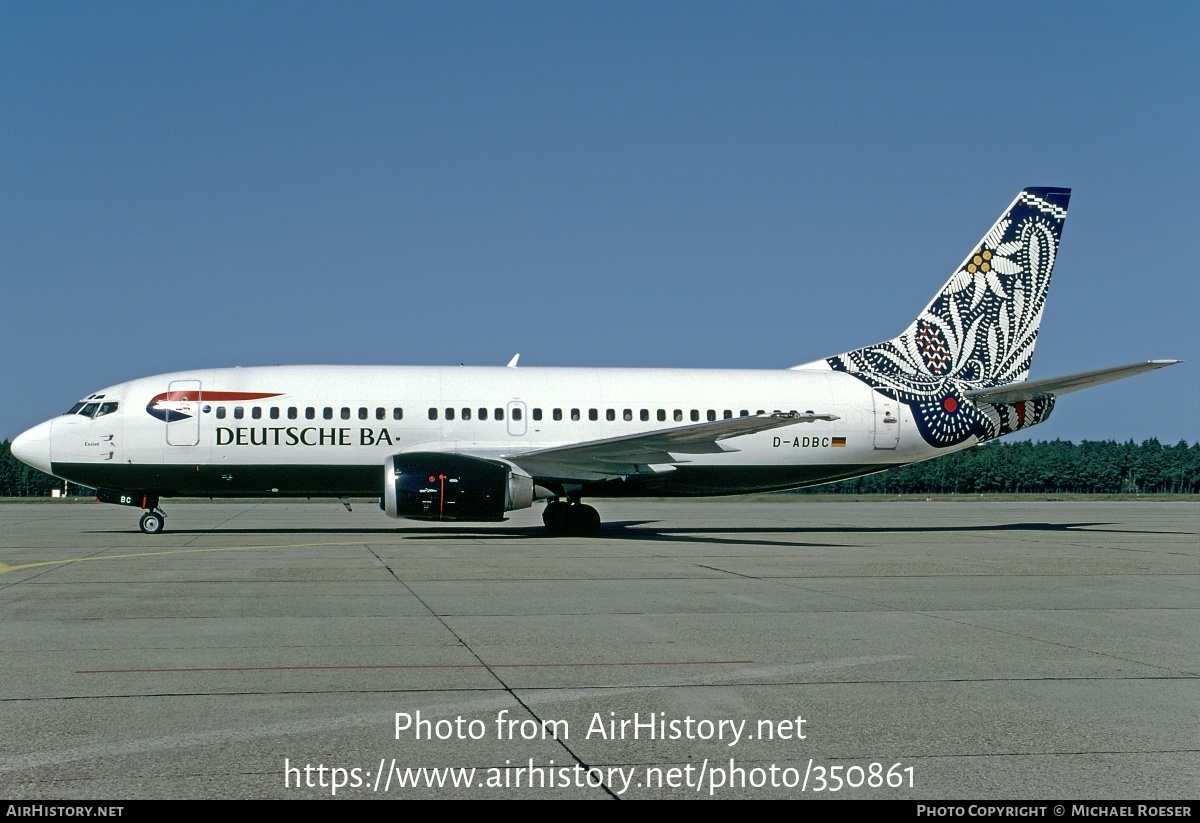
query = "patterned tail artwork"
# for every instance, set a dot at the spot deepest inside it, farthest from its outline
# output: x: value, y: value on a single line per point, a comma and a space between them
x: 978, y: 332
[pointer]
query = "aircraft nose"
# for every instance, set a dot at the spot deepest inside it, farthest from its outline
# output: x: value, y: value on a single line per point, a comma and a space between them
x: 33, y: 447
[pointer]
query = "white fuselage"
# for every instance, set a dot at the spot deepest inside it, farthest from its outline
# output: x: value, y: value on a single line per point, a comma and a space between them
x: 306, y: 430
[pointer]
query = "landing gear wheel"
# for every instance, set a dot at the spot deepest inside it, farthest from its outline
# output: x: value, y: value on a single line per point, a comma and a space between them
x: 556, y: 517
x: 585, y: 520
x: 152, y: 522
x: 571, y: 518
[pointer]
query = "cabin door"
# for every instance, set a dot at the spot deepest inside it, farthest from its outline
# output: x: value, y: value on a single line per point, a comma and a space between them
x: 182, y: 413
x: 887, y: 421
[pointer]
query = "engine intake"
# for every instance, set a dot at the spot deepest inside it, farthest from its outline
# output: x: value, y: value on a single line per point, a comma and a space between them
x: 436, y: 486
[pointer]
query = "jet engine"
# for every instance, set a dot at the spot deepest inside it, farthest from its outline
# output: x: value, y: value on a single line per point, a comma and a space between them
x: 436, y: 486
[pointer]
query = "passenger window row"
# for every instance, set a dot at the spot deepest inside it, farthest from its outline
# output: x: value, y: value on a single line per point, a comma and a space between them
x: 449, y: 413
x: 466, y: 413
x: 627, y: 415
x: 310, y: 413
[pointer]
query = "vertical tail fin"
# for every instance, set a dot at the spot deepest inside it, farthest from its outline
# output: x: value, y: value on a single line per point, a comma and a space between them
x: 979, y: 330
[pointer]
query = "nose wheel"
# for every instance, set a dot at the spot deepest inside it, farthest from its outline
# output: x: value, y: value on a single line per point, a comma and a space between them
x: 152, y: 522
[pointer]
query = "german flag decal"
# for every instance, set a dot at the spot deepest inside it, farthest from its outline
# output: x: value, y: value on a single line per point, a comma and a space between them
x: 838, y: 443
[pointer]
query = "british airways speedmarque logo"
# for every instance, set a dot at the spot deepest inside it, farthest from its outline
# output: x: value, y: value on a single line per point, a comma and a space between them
x: 172, y: 406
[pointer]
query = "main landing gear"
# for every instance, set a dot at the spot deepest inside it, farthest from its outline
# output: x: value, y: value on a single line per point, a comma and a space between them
x: 571, y: 518
x: 152, y: 522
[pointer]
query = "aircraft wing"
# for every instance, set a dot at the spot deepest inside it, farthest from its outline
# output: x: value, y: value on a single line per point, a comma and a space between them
x: 641, y: 453
x: 1034, y: 390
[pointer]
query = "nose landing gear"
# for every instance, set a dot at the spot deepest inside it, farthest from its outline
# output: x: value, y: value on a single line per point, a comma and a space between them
x: 152, y: 522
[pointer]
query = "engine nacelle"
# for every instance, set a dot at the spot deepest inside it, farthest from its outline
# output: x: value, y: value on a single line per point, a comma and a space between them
x: 436, y: 486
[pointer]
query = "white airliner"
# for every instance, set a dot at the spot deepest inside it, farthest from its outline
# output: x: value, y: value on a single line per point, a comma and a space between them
x: 469, y: 444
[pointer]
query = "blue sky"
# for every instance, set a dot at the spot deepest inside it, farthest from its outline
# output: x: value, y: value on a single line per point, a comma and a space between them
x: 623, y: 184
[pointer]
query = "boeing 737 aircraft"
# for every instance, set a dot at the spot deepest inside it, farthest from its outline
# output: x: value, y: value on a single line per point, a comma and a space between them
x: 470, y: 444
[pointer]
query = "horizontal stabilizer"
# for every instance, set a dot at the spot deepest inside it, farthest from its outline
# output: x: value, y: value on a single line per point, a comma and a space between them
x: 1038, y: 389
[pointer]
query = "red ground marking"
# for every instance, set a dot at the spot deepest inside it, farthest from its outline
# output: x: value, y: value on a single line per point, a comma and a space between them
x: 431, y: 666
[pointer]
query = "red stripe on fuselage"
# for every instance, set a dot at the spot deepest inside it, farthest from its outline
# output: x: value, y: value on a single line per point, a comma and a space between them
x: 212, y: 396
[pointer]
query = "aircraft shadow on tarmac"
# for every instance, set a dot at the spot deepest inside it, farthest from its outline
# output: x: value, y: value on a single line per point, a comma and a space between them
x: 651, y: 530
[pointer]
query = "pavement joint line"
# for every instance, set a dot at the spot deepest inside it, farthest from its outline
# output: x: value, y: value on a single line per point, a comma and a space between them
x: 492, y: 671
x: 624, y: 688
x: 5, y: 568
x: 222, y: 523
x: 1048, y: 642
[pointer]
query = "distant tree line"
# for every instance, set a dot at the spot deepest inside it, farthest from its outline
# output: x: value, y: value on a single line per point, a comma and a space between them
x: 19, y: 480
x: 1091, y: 467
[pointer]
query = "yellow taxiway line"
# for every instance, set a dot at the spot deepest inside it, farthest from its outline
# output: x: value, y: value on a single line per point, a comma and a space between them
x: 5, y: 568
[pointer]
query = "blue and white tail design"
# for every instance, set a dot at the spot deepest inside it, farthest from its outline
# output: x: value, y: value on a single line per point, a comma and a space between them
x: 978, y: 332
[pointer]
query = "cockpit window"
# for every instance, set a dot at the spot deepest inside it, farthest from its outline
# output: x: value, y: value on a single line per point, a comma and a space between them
x: 75, y: 409
x: 90, y: 409
x: 106, y: 408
